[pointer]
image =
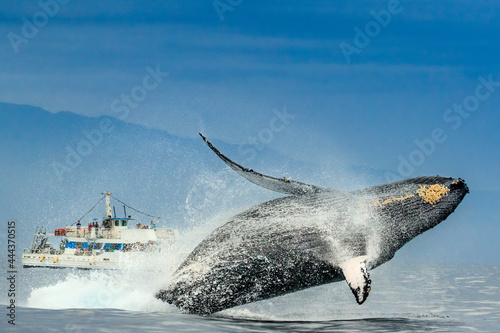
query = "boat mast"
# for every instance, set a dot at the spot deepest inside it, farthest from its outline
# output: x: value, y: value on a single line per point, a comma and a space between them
x: 108, y: 204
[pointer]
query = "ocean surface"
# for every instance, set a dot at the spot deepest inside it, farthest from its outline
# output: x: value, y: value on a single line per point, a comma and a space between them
x: 405, y: 297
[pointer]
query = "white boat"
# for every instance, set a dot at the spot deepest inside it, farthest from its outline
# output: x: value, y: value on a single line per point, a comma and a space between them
x: 107, y: 243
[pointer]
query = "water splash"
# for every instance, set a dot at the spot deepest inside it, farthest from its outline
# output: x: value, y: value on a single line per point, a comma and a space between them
x: 132, y: 288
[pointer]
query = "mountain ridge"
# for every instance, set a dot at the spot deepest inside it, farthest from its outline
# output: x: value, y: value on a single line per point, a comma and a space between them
x: 177, y: 178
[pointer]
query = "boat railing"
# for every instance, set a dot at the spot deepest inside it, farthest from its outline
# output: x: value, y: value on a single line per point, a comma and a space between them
x: 85, y: 233
x: 43, y: 251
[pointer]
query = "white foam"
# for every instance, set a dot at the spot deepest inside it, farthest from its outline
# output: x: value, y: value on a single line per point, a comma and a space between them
x: 131, y: 288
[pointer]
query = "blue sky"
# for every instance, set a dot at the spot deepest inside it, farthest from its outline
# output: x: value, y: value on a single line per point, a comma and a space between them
x: 228, y: 78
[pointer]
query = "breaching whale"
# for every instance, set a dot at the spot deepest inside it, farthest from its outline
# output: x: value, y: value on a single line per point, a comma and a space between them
x: 311, y: 237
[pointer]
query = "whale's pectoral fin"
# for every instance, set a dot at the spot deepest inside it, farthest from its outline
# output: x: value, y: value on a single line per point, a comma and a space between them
x: 357, y: 277
x: 282, y: 185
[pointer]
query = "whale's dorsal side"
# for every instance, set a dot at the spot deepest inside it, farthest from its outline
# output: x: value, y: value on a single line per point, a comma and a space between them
x: 282, y: 185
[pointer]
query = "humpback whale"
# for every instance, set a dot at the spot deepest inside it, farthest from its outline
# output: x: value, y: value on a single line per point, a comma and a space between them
x: 310, y: 237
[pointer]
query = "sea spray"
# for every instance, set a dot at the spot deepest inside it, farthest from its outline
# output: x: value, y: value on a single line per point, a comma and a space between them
x: 130, y: 288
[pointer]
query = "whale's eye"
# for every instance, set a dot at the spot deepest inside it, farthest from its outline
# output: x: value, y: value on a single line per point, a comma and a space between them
x: 432, y: 193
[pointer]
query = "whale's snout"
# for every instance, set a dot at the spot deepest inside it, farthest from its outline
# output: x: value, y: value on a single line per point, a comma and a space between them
x: 459, y: 186
x: 459, y: 189
x: 441, y: 191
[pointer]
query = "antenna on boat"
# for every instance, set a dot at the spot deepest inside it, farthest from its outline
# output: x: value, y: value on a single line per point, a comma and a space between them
x: 138, y: 211
x: 108, y: 204
x: 124, y: 211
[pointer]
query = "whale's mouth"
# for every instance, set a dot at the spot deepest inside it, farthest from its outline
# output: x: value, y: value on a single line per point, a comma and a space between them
x: 457, y: 190
x: 459, y: 185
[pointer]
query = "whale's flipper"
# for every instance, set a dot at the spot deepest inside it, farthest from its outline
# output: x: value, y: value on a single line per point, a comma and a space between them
x: 282, y: 185
x: 357, y: 277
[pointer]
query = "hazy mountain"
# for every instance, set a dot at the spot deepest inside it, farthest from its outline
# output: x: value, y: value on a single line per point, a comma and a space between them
x: 55, y: 165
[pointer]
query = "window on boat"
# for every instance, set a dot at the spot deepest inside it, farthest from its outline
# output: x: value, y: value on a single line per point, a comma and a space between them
x: 97, y: 246
x: 115, y: 246
x: 79, y: 245
x: 124, y: 223
x: 117, y: 223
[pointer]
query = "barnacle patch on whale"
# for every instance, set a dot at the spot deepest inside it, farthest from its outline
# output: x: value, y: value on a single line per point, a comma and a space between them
x: 432, y: 193
x: 390, y: 200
